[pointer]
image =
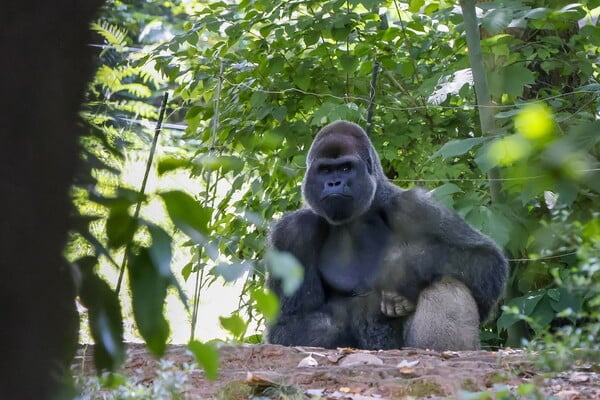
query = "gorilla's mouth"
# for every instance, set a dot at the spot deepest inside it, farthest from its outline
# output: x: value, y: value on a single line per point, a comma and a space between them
x: 336, y: 196
x: 338, y: 206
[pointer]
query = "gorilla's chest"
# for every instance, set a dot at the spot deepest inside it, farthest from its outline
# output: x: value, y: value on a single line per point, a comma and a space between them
x: 351, y: 257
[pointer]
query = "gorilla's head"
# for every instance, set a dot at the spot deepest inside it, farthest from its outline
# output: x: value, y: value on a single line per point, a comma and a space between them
x: 342, y: 173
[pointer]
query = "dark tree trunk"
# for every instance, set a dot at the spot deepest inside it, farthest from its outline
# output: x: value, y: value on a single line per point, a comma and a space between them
x: 45, y: 63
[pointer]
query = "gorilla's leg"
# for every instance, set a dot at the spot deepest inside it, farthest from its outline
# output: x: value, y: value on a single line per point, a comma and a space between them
x: 372, y: 329
x: 317, y: 329
x: 446, y: 318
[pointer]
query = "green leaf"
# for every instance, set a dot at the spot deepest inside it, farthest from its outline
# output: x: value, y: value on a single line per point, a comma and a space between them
x: 207, y: 356
x: 120, y: 227
x: 279, y: 114
x: 148, y: 294
x: 482, y: 158
x: 276, y: 64
x: 225, y: 163
x: 525, y: 307
x: 168, y: 164
x: 455, y: 148
x: 498, y: 227
x: 161, y: 255
x: 415, y: 5
x: 302, y: 80
x: 591, y: 230
x: 234, y: 325
x: 123, y: 199
x: 349, y: 62
x: 232, y: 272
x: 287, y: 268
x: 311, y: 37
x: 187, y: 214
x: 529, y: 303
x: 542, y: 315
x: 510, y: 80
x: 258, y: 99
x: 186, y: 271
x: 443, y: 193
x: 506, y: 320
x: 324, y: 114
x: 554, y: 294
x: 105, y: 318
x: 497, y: 20
x: 562, y: 299
x: 266, y: 303
x: 527, y: 389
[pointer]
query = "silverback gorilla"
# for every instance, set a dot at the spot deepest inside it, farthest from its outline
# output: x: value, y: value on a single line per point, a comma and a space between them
x: 383, y: 267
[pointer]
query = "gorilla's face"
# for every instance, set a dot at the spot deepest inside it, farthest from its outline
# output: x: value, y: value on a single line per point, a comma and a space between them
x: 339, y: 184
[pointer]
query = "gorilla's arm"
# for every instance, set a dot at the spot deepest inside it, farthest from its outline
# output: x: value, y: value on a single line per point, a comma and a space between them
x: 305, y: 318
x: 440, y: 243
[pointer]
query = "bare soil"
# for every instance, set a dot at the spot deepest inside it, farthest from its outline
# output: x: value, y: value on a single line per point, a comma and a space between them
x: 272, y: 371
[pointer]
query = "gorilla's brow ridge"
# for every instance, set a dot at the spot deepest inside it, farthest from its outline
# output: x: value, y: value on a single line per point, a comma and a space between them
x: 335, y: 144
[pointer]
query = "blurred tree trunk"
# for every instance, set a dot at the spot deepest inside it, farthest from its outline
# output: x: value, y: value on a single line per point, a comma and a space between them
x: 46, y: 62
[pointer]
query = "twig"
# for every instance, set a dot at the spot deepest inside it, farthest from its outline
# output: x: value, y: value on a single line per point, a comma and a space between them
x: 200, y: 270
x: 373, y: 85
x: 138, y: 206
x: 371, y: 107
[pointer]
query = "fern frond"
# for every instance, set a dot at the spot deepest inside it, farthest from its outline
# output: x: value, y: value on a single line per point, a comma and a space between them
x: 112, y: 80
x: 95, y: 119
x: 137, y: 89
x: 139, y: 108
x: 108, y: 78
x: 114, y: 35
x: 149, y: 73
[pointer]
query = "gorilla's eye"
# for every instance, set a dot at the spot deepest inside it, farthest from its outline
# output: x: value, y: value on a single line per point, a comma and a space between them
x: 346, y: 167
x: 325, y: 169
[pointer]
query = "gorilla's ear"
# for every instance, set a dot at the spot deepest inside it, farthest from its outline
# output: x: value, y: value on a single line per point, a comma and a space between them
x: 369, y: 165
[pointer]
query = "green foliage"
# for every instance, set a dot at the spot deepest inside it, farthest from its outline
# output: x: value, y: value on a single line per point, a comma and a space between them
x: 251, y: 84
x: 148, y: 292
x: 503, y: 392
x: 113, y: 35
x: 286, y: 267
x: 170, y: 383
x: 207, y: 356
x: 187, y: 214
x: 104, y: 316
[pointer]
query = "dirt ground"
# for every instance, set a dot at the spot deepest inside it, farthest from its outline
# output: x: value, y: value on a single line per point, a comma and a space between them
x: 270, y: 371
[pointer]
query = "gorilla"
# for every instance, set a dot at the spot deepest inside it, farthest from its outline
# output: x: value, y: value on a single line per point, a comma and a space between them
x: 384, y: 267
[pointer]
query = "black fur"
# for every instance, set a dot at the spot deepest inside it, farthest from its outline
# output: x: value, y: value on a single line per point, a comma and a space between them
x: 360, y: 235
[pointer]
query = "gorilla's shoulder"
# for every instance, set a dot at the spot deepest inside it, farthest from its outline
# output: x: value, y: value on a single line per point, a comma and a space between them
x: 416, y: 213
x: 295, y: 229
x: 387, y: 194
x: 305, y: 215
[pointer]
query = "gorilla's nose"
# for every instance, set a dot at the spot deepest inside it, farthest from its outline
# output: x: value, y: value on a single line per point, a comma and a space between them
x: 334, y: 183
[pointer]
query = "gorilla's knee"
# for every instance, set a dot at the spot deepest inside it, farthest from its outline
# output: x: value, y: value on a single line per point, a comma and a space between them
x: 446, y: 318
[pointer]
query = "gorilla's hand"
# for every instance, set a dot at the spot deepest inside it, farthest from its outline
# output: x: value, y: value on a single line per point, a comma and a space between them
x: 395, y: 305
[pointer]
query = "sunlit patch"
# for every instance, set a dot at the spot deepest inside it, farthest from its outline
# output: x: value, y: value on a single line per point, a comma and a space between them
x: 507, y: 150
x: 535, y: 121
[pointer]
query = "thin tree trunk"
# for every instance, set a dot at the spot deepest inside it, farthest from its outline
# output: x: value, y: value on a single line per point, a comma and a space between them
x: 482, y: 91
